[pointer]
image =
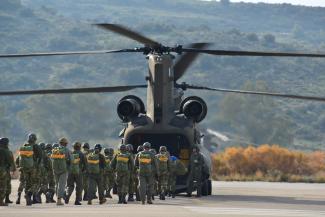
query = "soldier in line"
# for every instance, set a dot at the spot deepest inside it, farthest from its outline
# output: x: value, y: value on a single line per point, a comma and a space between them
x: 30, y: 156
x: 10, y: 168
x: 21, y: 186
x: 163, y: 167
x: 109, y: 172
x: 86, y: 151
x: 195, y: 172
x: 176, y: 168
x: 146, y: 164
x: 95, y: 168
x: 6, y: 161
x: 122, y: 163
x: 137, y: 194
x: 155, y: 177
x: 77, y: 166
x: 133, y: 175
x: 61, y: 159
x: 50, y: 176
x: 43, y: 180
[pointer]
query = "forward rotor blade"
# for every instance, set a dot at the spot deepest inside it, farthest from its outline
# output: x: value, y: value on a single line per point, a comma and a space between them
x: 128, y: 33
x: 186, y: 60
x: 67, y: 53
x: 292, y: 96
x: 73, y: 90
x: 251, y: 53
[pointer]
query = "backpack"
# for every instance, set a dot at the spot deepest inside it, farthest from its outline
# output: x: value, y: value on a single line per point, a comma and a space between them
x: 59, y: 162
x: 162, y: 163
x: 122, y: 162
x: 75, y: 164
x: 108, y: 168
x: 145, y: 159
x: 93, y: 163
x: 26, y: 154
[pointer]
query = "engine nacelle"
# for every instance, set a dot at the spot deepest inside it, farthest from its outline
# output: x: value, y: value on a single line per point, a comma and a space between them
x: 129, y: 107
x: 194, y: 108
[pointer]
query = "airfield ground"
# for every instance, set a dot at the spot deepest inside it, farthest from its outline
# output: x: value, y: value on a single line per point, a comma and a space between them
x: 228, y: 199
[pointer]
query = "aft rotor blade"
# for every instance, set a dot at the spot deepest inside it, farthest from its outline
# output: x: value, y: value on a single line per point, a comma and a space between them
x: 67, y: 53
x: 73, y: 90
x: 186, y: 60
x: 128, y: 33
x: 251, y: 53
x: 292, y: 96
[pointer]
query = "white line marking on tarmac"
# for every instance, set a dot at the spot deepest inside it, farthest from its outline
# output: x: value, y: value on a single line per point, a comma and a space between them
x: 256, y: 212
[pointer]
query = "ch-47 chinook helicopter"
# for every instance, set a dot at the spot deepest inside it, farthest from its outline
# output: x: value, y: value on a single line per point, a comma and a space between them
x: 168, y: 118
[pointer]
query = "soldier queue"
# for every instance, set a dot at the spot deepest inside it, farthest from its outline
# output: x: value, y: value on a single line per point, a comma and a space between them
x: 55, y: 170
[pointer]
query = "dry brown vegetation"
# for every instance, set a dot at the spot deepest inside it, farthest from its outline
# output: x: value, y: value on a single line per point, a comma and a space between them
x: 268, y: 163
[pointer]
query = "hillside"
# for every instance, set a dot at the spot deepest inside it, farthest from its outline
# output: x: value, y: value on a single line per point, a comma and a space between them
x: 29, y: 26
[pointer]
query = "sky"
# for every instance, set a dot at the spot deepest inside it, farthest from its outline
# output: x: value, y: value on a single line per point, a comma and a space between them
x: 295, y: 2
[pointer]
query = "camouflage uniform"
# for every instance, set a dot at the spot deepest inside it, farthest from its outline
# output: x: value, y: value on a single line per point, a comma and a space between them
x: 176, y: 168
x: 154, y: 176
x: 61, y: 158
x: 6, y: 161
x: 163, y: 168
x: 78, y: 165
x: 30, y: 153
x: 50, y: 176
x: 21, y: 186
x: 146, y: 164
x: 195, y: 172
x: 122, y: 163
x: 85, y: 152
x: 95, y: 167
x: 11, y: 167
x: 133, y: 175
x: 109, y: 172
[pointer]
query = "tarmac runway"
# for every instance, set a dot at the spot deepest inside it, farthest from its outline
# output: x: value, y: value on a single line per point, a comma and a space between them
x: 228, y: 199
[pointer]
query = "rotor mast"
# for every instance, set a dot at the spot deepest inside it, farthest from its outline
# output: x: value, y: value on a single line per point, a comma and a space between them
x: 160, y: 91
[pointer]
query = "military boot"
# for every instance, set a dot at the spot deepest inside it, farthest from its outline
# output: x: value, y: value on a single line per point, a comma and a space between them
x: 7, y: 200
x: 48, y: 197
x: 28, y: 198
x: 77, y: 203
x: 124, y: 199
x: 108, y: 193
x: 102, y: 201
x: 66, y: 199
x: 173, y: 194
x: 120, y: 199
x: 89, y: 202
x: 85, y: 198
x: 59, y: 202
x: 130, y: 198
x: 137, y: 196
x: 39, y: 197
x: 18, y: 198
x: 34, y: 201
x: 52, y: 198
x: 2, y: 203
x: 162, y: 196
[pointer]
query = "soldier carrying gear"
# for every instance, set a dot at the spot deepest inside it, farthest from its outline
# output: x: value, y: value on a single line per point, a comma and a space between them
x: 122, y: 163
x: 145, y: 163
x: 78, y: 164
x: 109, y: 178
x: 176, y: 168
x: 133, y: 175
x: 195, y: 172
x: 50, y: 177
x: 6, y: 161
x: 61, y: 159
x: 163, y: 171
x: 44, y: 170
x: 86, y: 151
x: 30, y: 157
x: 95, y: 166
